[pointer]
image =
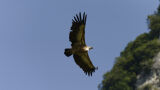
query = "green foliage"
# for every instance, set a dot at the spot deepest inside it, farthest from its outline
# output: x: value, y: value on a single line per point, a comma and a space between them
x: 146, y: 66
x: 136, y: 57
x: 140, y: 40
x: 158, y: 11
x: 154, y: 24
x: 118, y: 79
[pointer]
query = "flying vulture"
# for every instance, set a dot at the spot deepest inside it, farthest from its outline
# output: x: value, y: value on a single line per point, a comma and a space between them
x: 79, y: 48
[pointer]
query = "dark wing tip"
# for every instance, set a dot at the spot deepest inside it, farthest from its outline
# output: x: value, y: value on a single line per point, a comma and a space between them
x: 90, y: 71
x: 78, y: 20
x: 75, y: 19
x: 80, y: 16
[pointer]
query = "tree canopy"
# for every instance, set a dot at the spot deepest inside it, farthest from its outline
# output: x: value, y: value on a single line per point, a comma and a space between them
x: 135, y: 58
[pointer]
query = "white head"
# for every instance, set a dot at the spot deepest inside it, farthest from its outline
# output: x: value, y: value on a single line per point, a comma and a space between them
x: 87, y: 48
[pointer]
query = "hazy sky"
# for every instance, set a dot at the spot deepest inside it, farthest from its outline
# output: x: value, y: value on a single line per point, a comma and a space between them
x: 34, y: 33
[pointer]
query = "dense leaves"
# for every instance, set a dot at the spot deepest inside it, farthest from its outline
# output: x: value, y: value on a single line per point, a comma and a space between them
x: 137, y: 57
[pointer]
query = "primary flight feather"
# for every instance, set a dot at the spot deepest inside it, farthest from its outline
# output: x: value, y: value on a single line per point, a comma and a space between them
x: 79, y: 48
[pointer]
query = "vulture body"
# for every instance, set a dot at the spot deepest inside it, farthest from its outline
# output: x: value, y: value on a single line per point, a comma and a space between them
x: 79, y: 48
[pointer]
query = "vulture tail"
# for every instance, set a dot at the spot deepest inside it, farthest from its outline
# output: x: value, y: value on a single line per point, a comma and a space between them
x: 68, y: 52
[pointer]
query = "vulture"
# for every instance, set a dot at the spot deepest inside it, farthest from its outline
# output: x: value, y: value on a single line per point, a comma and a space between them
x: 79, y: 49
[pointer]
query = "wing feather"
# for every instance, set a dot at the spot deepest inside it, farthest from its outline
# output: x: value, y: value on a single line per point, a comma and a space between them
x: 77, y: 34
x: 80, y: 16
x: 84, y: 62
x: 77, y: 18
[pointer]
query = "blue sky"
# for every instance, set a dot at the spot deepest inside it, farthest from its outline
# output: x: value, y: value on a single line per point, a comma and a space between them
x: 34, y: 33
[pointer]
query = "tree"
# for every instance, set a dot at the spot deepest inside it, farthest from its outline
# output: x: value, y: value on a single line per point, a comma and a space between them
x: 136, y: 57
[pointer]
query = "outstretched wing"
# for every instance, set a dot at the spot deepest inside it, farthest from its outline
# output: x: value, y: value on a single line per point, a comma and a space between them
x: 84, y: 62
x: 77, y: 37
x: 77, y: 34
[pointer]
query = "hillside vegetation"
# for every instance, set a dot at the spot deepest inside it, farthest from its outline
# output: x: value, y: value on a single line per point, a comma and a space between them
x: 135, y: 58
